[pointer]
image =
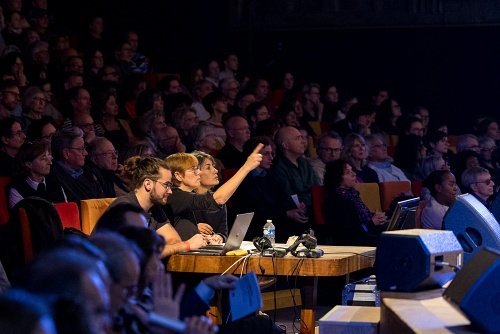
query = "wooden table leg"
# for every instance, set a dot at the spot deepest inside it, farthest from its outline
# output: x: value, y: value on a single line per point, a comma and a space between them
x: 308, y: 292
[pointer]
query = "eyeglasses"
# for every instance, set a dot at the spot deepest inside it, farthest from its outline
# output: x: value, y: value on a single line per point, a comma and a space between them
x: 486, y: 182
x: 268, y: 154
x: 79, y: 149
x: 16, y: 94
x: 115, y: 153
x: 167, y: 185
x: 194, y: 169
x: 330, y: 150
x: 40, y: 99
x: 490, y: 149
x: 17, y: 133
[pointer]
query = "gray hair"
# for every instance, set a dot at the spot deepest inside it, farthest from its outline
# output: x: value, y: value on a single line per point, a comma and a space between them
x: 469, y: 176
x: 325, y: 135
x: 63, y: 139
x: 462, y: 141
x: 28, y: 96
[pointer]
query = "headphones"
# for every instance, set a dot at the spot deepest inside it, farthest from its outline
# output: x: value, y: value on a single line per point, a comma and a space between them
x: 265, y: 247
x: 262, y: 243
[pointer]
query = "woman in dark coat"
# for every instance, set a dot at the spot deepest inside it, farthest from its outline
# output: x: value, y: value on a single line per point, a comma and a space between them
x: 349, y: 222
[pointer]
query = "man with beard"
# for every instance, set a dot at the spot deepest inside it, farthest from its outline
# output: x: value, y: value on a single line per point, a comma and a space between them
x: 151, y: 184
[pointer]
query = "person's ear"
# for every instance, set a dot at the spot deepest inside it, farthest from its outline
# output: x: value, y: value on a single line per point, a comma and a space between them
x: 438, y: 187
x: 148, y: 185
x: 178, y: 176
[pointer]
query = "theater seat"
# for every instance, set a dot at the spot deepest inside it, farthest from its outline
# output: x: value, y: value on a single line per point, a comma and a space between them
x: 69, y: 214
x: 418, y: 214
x: 370, y: 195
x: 91, y: 210
x: 318, y: 198
x: 392, y: 189
x: 4, y: 205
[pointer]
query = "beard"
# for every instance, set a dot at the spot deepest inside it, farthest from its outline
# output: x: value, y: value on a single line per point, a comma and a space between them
x: 156, y: 199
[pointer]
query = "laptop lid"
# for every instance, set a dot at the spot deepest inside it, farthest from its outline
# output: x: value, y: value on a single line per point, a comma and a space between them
x: 238, y: 232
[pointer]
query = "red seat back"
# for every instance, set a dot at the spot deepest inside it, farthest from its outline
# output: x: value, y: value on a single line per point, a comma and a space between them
x: 4, y: 203
x: 318, y: 198
x: 69, y: 214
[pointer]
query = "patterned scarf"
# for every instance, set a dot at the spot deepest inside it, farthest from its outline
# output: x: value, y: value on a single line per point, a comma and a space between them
x: 352, y: 195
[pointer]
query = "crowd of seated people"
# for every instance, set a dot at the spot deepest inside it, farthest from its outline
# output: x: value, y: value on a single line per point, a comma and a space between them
x: 79, y: 119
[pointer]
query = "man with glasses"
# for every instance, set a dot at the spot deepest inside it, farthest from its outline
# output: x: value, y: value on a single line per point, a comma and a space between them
x: 478, y: 182
x: 10, y: 99
x: 380, y: 161
x: 151, y: 182
x: 328, y: 148
x: 103, y: 162
x: 69, y: 152
x: 12, y: 137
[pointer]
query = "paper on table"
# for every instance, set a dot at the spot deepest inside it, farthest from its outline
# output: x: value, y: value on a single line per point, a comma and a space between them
x: 245, y: 298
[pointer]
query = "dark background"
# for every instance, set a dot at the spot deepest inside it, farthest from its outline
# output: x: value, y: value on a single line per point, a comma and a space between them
x: 441, y: 55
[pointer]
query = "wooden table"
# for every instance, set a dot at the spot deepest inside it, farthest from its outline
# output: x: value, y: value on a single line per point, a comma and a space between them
x: 337, y: 261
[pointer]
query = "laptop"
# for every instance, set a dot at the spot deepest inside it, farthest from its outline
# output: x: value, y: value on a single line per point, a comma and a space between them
x: 234, y: 240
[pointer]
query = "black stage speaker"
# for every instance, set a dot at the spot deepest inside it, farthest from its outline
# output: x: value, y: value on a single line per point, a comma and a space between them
x: 473, y: 225
x: 476, y: 290
x: 495, y: 206
x: 412, y: 260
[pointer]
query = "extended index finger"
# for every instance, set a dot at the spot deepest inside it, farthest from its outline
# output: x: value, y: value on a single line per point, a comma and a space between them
x: 257, y: 148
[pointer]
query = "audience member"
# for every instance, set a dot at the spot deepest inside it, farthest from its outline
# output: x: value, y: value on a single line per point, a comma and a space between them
x: 24, y: 313
x: 255, y: 113
x: 103, y: 164
x: 186, y: 122
x: 41, y: 130
x: 408, y: 155
x: 238, y: 132
x: 213, y: 222
x: 380, y: 162
x: 168, y: 142
x: 488, y: 127
x: 69, y: 151
x: 9, y: 99
x: 430, y: 164
x: 12, y: 138
x: 150, y: 182
x: 348, y: 221
x: 200, y: 90
x: 487, y: 146
x: 33, y: 104
x: 478, y: 182
x: 328, y: 148
x: 295, y: 177
x: 185, y: 205
x: 355, y: 154
x: 437, y: 144
x: 216, y: 105
x: 34, y: 162
x: 388, y: 114
x: 259, y: 191
x: 442, y: 190
x: 468, y: 142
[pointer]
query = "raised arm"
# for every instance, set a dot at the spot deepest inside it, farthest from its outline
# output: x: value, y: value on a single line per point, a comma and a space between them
x: 225, y: 191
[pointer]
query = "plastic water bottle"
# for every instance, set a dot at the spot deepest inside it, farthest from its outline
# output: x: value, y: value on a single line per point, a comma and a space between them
x: 270, y: 231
